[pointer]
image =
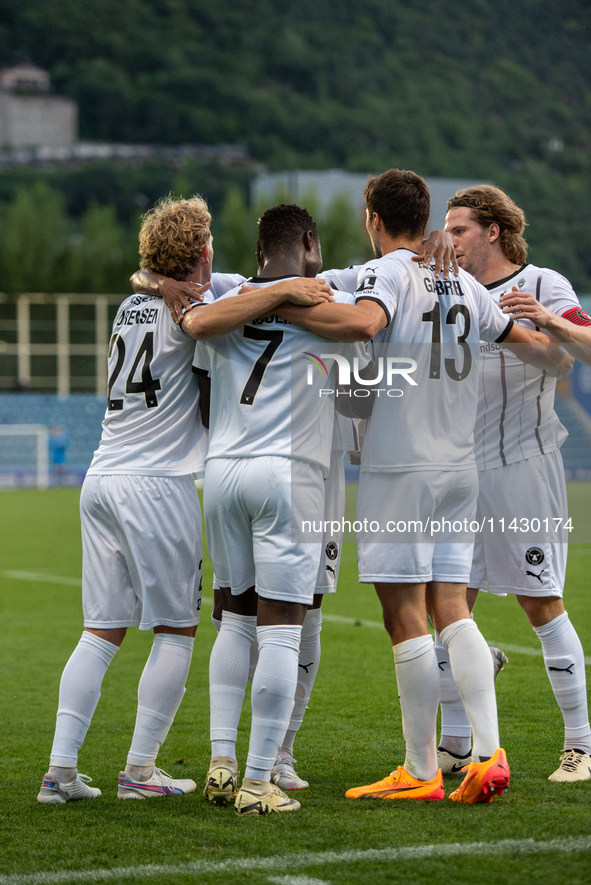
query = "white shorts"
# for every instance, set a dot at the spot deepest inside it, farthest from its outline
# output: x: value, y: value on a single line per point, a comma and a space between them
x: 249, y: 517
x: 397, y: 504
x: 141, y: 551
x: 527, y: 563
x: 334, y: 510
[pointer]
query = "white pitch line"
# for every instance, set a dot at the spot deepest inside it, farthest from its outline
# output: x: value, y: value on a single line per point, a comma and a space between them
x: 297, y: 880
x: 38, y: 576
x: 206, y: 600
x: 514, y: 649
x: 59, y: 579
x: 293, y: 862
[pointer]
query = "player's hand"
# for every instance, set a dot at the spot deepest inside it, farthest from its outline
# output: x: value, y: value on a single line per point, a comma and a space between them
x: 523, y: 306
x: 354, y: 458
x: 177, y: 294
x: 438, y: 246
x: 307, y: 291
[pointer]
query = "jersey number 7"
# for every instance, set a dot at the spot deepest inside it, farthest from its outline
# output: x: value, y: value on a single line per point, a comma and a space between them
x: 258, y: 370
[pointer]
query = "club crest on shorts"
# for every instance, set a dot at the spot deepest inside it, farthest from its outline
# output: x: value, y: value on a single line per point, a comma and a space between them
x: 332, y: 550
x: 534, y: 556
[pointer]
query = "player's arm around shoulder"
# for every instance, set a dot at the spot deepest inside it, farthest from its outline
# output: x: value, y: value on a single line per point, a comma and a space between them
x: 339, y: 322
x: 572, y: 328
x: 245, y: 304
x: 537, y: 349
x: 178, y: 295
x: 357, y: 317
x: 534, y: 348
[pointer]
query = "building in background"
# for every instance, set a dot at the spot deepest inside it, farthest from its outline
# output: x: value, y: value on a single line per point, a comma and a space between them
x: 30, y: 115
x: 297, y: 185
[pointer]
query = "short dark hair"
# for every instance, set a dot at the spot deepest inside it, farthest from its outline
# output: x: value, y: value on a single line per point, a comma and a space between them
x: 490, y: 205
x: 401, y: 199
x: 281, y: 227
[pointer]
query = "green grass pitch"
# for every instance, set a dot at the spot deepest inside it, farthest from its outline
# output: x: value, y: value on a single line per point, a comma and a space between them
x: 351, y: 735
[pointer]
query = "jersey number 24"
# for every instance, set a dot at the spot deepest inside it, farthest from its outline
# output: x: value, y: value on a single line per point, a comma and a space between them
x: 148, y: 385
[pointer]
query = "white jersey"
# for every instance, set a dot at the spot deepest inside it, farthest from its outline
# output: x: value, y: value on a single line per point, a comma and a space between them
x: 344, y: 280
x: 423, y: 417
x: 152, y: 426
x: 222, y: 283
x: 270, y: 389
x: 516, y: 417
x: 345, y: 436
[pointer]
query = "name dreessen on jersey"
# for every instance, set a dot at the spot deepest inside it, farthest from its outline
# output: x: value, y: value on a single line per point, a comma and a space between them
x: 146, y: 316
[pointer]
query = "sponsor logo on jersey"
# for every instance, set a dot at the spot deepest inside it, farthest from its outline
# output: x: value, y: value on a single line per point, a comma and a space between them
x: 141, y: 299
x: 535, y: 556
x: 490, y: 347
x: 520, y: 284
x: 368, y: 282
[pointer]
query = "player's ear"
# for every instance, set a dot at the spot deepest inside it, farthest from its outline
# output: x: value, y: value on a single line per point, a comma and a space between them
x: 376, y: 221
x: 205, y: 254
x: 309, y: 240
x: 259, y: 256
x: 494, y: 232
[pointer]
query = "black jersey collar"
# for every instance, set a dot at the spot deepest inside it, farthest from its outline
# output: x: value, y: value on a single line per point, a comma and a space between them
x: 506, y: 279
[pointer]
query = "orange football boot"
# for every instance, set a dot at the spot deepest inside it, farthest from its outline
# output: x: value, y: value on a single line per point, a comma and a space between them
x: 400, y: 785
x: 484, y: 780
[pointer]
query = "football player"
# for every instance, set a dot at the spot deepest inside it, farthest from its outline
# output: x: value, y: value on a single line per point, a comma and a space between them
x: 268, y: 456
x: 418, y: 465
x: 517, y: 443
x: 141, y: 521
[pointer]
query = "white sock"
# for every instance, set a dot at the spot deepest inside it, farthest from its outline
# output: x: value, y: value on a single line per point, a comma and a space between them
x: 473, y: 672
x: 418, y: 687
x: 254, y: 659
x: 80, y: 690
x: 273, y: 691
x: 160, y: 692
x: 565, y: 665
x: 254, y: 650
x: 228, y: 673
x: 308, y: 662
x: 456, y: 733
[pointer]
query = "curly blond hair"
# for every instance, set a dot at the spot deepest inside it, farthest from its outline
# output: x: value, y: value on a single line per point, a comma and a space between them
x: 172, y: 236
x: 490, y: 205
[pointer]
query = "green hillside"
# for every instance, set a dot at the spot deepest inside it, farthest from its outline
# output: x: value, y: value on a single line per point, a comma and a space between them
x: 494, y: 91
